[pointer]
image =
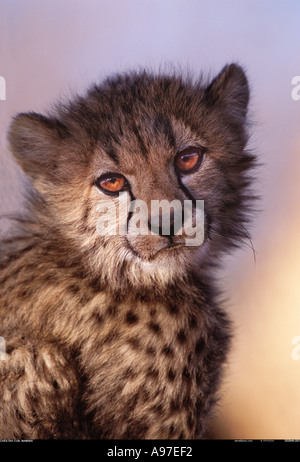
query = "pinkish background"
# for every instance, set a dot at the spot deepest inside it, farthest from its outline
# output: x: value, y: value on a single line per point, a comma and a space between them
x: 50, y: 48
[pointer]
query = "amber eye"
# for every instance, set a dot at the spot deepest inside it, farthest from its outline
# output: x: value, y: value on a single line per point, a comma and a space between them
x: 189, y: 160
x: 111, y: 183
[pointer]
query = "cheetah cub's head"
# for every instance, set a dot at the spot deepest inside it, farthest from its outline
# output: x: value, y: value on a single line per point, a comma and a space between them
x: 145, y: 176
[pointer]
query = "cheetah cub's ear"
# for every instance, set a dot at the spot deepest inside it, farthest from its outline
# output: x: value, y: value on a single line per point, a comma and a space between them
x: 229, y: 91
x: 35, y: 140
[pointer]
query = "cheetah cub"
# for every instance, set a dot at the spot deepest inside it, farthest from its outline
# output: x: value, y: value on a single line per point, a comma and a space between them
x: 108, y: 305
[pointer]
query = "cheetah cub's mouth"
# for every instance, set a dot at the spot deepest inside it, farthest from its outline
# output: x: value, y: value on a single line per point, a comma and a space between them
x: 152, y: 247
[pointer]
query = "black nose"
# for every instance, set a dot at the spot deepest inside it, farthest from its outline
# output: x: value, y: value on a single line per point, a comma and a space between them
x: 166, y: 225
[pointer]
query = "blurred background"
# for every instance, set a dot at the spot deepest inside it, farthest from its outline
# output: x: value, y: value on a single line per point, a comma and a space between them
x: 52, y: 48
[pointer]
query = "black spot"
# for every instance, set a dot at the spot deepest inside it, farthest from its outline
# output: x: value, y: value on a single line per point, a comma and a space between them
x: 190, y: 421
x: 129, y: 373
x: 181, y: 336
x: 74, y: 288
x: 200, y: 345
x: 135, y: 343
x: 173, y: 308
x: 155, y: 327
x: 171, y: 430
x: 95, y: 285
x: 186, y: 374
x: 152, y: 373
x: 171, y: 375
x: 150, y: 350
x: 9, y: 349
x: 131, y: 318
x: 55, y: 385
x: 168, y: 351
x: 193, y: 323
x: 174, y: 405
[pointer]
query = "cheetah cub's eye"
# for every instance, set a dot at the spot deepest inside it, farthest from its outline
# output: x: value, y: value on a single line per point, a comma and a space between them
x: 111, y: 183
x: 189, y: 160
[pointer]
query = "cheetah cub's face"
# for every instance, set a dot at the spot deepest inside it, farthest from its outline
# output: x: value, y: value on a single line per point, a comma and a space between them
x: 145, y: 174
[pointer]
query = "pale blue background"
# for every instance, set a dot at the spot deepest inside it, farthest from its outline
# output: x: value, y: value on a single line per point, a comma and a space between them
x: 50, y: 48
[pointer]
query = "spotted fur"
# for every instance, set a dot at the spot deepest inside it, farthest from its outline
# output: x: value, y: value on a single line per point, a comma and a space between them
x: 116, y: 336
